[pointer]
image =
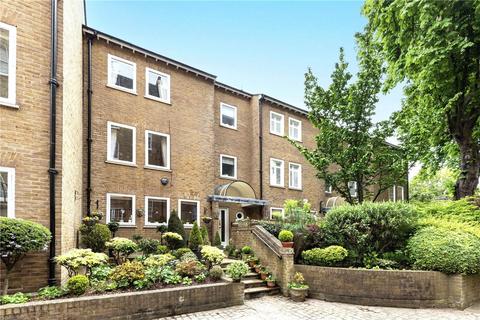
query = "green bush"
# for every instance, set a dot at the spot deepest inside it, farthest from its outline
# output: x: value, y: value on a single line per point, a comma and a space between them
x: 247, y: 250
x: 17, y: 238
x: 216, y: 272
x: 189, y: 268
x: 48, y: 293
x: 444, y: 250
x: 285, y: 236
x: 126, y: 274
x: 149, y: 246
x: 75, y: 259
x: 195, y: 238
x: 369, y: 227
x: 205, y: 237
x: 121, y: 248
x: 77, y: 285
x: 95, y: 237
x: 329, y: 256
x: 217, y: 242
x: 173, y: 240
x: 180, y: 252
x: 237, y: 270
x: 175, y: 225
x: 161, y: 249
x: 464, y: 210
x: 14, y: 298
x: 212, y: 255
x: 158, y: 260
x: 170, y: 276
x: 188, y: 256
x: 100, y: 273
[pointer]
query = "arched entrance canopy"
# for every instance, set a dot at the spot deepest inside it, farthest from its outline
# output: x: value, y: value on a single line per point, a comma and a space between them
x: 236, y: 192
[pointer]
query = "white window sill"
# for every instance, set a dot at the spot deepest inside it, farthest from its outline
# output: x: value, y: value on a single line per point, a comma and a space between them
x: 228, y: 127
x: 126, y: 225
x: 157, y: 168
x: 127, y: 164
x: 157, y: 99
x: 296, y: 189
x: 277, y: 134
x: 277, y: 186
x: 154, y: 226
x: 134, y: 92
x: 297, y: 140
x: 9, y: 104
x: 228, y: 177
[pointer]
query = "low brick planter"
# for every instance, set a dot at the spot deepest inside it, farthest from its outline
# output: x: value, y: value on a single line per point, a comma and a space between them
x: 393, y: 288
x: 139, y: 305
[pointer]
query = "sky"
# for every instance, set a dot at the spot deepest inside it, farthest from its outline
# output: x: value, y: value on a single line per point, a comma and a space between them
x: 257, y: 46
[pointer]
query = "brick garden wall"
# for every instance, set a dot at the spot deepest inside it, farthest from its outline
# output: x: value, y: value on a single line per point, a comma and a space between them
x: 134, y: 305
x: 402, y: 288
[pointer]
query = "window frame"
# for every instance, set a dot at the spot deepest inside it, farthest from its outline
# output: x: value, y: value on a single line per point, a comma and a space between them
x: 328, y: 188
x: 152, y: 166
x: 356, y: 188
x: 10, y: 190
x: 109, y: 78
x: 188, y: 225
x: 277, y: 208
x: 235, y: 167
x: 299, y: 139
x: 134, y: 213
x: 282, y: 173
x: 109, y: 140
x: 155, y: 224
x: 282, y: 130
x: 234, y: 127
x: 147, y: 94
x: 300, y: 180
x: 11, y: 100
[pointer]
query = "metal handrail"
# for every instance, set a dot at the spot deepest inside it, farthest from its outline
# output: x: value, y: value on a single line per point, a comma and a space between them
x: 256, y: 230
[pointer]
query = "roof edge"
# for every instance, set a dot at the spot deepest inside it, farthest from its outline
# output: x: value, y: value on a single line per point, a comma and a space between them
x: 284, y: 105
x: 226, y: 87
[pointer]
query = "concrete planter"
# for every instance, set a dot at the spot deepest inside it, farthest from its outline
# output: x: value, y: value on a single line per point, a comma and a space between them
x: 392, y: 288
x: 140, y: 305
x: 298, y: 294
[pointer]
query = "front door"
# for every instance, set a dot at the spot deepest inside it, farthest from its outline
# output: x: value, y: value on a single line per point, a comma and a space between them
x: 224, y: 226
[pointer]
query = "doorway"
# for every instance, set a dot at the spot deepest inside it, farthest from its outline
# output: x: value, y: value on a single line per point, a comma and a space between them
x: 224, y: 226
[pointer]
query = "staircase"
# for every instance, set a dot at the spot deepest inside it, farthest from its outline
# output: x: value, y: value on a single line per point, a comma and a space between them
x: 254, y: 286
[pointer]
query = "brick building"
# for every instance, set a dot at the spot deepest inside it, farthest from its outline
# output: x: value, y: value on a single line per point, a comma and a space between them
x: 157, y: 137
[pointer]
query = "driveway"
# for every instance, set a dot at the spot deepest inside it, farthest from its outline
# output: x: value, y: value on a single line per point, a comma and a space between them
x: 280, y: 308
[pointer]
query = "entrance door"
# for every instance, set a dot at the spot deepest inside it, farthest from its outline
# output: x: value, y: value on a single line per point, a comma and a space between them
x: 224, y: 226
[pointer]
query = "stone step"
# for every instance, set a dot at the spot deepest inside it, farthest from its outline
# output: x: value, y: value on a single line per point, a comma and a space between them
x: 253, y: 283
x: 252, y: 293
x: 226, y: 262
x: 252, y: 275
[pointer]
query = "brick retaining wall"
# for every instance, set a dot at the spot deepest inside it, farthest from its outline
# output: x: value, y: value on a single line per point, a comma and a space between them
x: 140, y: 305
x: 394, y: 288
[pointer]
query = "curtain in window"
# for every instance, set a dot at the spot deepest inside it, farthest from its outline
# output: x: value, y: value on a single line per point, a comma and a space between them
x: 163, y: 143
x: 4, y: 47
x: 114, y: 142
x: 3, y: 194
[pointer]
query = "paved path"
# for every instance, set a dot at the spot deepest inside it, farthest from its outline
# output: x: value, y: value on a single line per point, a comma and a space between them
x: 280, y: 308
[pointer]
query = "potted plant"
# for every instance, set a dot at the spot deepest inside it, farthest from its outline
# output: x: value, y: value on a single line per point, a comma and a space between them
x: 264, y: 273
x: 258, y: 267
x: 207, y: 219
x: 237, y: 270
x: 286, y: 237
x: 298, y: 288
x: 246, y: 253
x: 270, y: 281
x: 252, y: 261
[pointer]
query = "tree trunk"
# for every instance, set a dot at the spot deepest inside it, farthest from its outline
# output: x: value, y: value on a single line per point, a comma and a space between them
x: 470, y: 166
x: 5, y: 282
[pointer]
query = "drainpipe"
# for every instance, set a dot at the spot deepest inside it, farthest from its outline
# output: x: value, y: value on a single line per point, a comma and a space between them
x: 89, y: 124
x: 52, y: 171
x: 260, y: 143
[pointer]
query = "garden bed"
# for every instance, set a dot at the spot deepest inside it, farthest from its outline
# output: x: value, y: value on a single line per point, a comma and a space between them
x: 139, y: 305
x: 392, y: 288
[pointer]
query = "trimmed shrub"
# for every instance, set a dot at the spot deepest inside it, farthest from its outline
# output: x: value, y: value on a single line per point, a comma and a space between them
x: 463, y: 210
x: 285, y: 236
x: 158, y: 260
x: 176, y: 225
x: 161, y: 249
x: 188, y: 256
x: 180, y: 252
x: 77, y: 285
x: 247, y: 250
x: 216, y: 272
x: 212, y: 255
x: 206, y: 239
x: 189, y: 268
x: 237, y: 270
x: 329, y: 256
x: 217, y: 242
x: 75, y: 259
x: 314, y: 237
x: 17, y: 238
x: 95, y: 237
x: 126, y: 274
x: 149, y: 246
x: 195, y: 238
x: 121, y: 248
x: 444, y: 250
x: 369, y: 227
x: 173, y: 240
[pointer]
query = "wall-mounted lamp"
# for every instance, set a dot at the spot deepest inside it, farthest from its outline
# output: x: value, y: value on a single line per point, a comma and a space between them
x: 164, y: 181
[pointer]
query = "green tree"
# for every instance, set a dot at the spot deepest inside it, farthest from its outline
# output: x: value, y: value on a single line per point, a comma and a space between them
x: 205, y: 237
x: 176, y: 225
x: 425, y: 187
x: 433, y: 48
x: 350, y: 148
x: 195, y: 237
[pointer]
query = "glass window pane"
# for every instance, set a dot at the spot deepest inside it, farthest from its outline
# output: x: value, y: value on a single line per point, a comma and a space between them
x: 157, y: 211
x: 157, y: 150
x: 122, y: 73
x: 4, y: 56
x: 3, y: 194
x: 121, y: 209
x: 188, y: 212
x: 156, y: 85
x: 228, y: 166
x: 121, y: 143
x: 228, y: 116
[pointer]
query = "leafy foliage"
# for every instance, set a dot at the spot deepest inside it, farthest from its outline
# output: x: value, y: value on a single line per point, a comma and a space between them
x: 95, y: 237
x: 49, y: 293
x: 247, y: 250
x: 180, y: 252
x: 149, y: 246
x: 445, y: 250
x: 329, y: 256
x: 74, y: 259
x: 216, y: 272
x: 170, y: 276
x: 158, y: 260
x: 431, y: 47
x: 347, y: 138
x: 121, y: 248
x: 127, y: 273
x: 173, y: 240
x: 77, y: 285
x: 298, y: 282
x: 175, y: 225
x: 205, y: 237
x: 212, y: 255
x: 189, y: 268
x: 425, y: 187
x: 17, y: 238
x: 217, y: 242
x: 237, y: 270
x: 285, y: 236
x: 18, y: 297
x: 196, y: 239
x: 369, y: 227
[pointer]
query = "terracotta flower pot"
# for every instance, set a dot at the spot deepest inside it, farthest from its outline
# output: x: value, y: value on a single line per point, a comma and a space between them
x: 287, y: 244
x: 270, y: 284
x: 251, y: 264
x: 257, y: 269
x: 263, y: 276
x: 298, y: 294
